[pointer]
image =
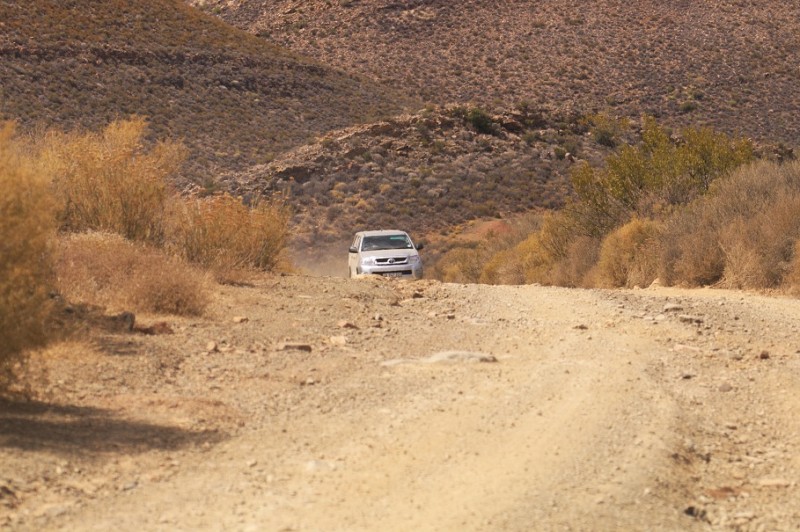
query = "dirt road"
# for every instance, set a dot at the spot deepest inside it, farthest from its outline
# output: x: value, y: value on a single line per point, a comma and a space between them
x: 309, y: 404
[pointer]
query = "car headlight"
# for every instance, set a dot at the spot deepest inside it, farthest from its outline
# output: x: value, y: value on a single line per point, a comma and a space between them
x: 368, y: 261
x: 413, y: 259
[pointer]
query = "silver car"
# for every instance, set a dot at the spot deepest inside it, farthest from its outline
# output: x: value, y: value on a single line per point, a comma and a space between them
x: 388, y: 253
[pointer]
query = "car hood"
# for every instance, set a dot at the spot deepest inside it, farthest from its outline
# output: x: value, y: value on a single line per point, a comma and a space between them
x: 390, y: 253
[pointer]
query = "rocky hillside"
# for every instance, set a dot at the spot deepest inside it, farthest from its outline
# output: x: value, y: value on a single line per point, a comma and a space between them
x: 235, y: 99
x: 426, y: 172
x: 727, y: 63
x: 322, y: 99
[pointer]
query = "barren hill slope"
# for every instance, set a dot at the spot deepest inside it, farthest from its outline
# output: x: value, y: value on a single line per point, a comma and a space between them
x: 235, y: 99
x: 728, y: 63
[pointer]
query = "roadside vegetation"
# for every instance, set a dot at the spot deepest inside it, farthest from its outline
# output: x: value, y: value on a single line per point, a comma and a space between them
x: 227, y: 237
x: 692, y: 209
x: 26, y: 226
x: 91, y: 218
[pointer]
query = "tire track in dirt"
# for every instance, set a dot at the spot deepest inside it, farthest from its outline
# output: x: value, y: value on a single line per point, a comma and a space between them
x: 603, y: 412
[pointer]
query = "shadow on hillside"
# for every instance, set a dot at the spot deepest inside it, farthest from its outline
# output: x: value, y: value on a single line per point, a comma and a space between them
x: 37, y: 426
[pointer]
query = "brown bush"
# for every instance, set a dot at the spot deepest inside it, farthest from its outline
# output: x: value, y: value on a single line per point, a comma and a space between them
x: 579, y: 267
x: 534, y: 260
x: 628, y: 256
x: 228, y: 237
x: 791, y: 281
x: 111, y: 182
x: 558, y: 254
x: 504, y: 267
x: 492, y: 259
x: 461, y: 265
x: 690, y: 250
x: 741, y: 234
x: 105, y: 269
x: 758, y: 250
x: 27, y: 225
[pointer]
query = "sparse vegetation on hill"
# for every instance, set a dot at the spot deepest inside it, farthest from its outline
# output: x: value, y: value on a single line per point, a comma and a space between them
x: 426, y: 172
x: 233, y: 99
x: 728, y: 64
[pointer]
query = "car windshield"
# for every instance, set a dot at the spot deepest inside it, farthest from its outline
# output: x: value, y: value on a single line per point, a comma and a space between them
x: 375, y: 243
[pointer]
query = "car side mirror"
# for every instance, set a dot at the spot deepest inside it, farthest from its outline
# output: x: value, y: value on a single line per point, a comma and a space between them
x: 353, y: 249
x: 420, y: 245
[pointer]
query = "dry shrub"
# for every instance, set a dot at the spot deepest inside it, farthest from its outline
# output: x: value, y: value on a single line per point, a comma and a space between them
x: 535, y: 262
x: 544, y: 251
x: 741, y: 234
x: 558, y: 254
x: 579, y: 266
x: 690, y: 250
x: 504, y: 267
x: 492, y: 259
x: 27, y: 225
x: 792, y: 279
x: 758, y: 250
x: 628, y: 256
x: 111, y: 182
x: 461, y: 265
x: 228, y: 237
x: 105, y: 269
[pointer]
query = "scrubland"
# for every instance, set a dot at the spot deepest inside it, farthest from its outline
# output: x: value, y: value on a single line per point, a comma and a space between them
x: 93, y: 219
x: 695, y: 209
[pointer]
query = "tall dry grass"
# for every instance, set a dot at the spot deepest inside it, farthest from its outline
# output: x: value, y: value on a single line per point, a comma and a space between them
x: 629, y: 255
x: 226, y: 236
x: 115, y: 182
x: 106, y: 269
x: 27, y: 228
x: 463, y: 264
x: 742, y: 234
x: 791, y: 282
x: 126, y: 236
x: 112, y: 181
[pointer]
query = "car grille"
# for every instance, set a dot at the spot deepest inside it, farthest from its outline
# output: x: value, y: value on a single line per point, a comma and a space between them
x: 391, y: 261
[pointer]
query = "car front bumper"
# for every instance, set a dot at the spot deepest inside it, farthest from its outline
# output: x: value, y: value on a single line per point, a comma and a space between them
x: 408, y: 271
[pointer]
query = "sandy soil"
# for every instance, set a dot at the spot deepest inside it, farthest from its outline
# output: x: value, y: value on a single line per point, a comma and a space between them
x: 305, y: 403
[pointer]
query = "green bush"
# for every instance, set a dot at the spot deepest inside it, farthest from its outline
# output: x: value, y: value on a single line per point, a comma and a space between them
x: 480, y: 120
x: 607, y: 130
x: 651, y: 178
